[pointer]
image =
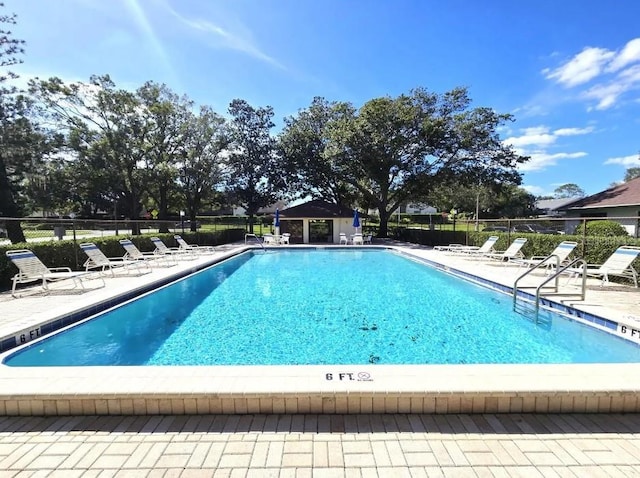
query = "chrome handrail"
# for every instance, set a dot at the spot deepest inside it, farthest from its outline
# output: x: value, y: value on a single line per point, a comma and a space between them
x: 555, y: 277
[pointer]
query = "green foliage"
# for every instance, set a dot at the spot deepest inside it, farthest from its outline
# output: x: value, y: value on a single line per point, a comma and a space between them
x: 631, y: 173
x: 252, y: 169
x: 603, y: 228
x: 68, y: 254
x: 569, y: 190
x: 392, y: 149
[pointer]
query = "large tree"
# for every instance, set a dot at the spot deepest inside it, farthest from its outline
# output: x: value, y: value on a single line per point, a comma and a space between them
x: 12, y: 117
x: 108, y: 126
x: 252, y: 171
x: 200, y: 165
x: 397, y: 149
x: 166, y: 116
x: 308, y: 166
x: 569, y: 190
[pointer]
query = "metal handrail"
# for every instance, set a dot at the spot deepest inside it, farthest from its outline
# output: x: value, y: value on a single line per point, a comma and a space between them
x: 529, y: 271
x: 557, y: 274
x: 247, y: 236
x: 555, y: 277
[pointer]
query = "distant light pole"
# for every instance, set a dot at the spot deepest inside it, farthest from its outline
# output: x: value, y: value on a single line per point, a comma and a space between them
x: 182, y: 221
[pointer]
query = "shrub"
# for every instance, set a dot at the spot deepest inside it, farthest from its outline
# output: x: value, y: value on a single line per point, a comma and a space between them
x: 603, y: 228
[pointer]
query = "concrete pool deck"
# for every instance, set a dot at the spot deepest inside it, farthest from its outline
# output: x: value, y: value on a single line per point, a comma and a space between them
x: 448, y: 389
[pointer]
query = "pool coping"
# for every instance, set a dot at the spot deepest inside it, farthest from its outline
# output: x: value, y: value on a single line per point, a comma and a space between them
x: 574, y: 388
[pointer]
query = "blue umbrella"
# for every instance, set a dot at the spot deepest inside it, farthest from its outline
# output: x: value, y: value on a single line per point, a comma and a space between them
x: 277, y: 222
x: 356, y: 219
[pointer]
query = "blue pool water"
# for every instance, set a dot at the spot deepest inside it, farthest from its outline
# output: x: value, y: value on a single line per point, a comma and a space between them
x: 319, y: 306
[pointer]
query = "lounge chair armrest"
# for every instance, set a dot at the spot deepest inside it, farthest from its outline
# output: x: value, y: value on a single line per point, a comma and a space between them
x: 59, y: 269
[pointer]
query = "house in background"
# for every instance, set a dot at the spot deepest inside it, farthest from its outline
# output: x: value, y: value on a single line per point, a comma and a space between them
x: 316, y: 221
x: 418, y: 208
x: 552, y: 207
x: 240, y: 211
x: 620, y: 203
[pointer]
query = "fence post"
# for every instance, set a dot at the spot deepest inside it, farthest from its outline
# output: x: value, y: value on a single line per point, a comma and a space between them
x: 584, y: 238
x: 75, y: 242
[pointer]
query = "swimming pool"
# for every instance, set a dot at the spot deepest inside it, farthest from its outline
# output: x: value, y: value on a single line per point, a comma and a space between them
x: 319, y: 306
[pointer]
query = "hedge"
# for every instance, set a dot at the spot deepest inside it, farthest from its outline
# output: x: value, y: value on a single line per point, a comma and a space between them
x: 68, y: 254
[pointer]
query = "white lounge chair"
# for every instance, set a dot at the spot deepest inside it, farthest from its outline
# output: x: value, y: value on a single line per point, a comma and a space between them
x: 558, y: 256
x: 97, y: 260
x: 513, y: 252
x: 357, y: 239
x: 32, y: 269
x: 133, y: 253
x: 182, y: 244
x: 485, y: 248
x: 162, y: 250
x: 618, y: 264
x: 368, y: 239
x: 343, y: 238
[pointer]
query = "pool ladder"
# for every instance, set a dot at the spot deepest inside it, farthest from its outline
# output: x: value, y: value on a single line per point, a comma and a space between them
x: 555, y: 286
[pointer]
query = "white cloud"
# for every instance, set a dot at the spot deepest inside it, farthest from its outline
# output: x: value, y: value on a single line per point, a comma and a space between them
x: 629, y: 54
x: 535, y: 190
x: 538, y: 135
x: 615, y: 73
x: 627, y: 161
x: 535, y: 142
x: 232, y: 36
x: 582, y: 68
x: 573, y: 131
x: 542, y: 160
x: 543, y: 136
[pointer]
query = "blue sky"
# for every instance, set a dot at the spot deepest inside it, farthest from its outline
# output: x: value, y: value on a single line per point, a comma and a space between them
x: 568, y: 70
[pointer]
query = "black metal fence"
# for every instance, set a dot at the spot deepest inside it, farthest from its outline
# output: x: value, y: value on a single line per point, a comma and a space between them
x: 58, y: 229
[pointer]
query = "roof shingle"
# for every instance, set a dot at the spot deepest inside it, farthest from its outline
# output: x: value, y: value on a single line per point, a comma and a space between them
x: 625, y: 194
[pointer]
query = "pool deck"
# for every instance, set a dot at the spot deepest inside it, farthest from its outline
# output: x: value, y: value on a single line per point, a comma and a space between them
x: 295, y: 421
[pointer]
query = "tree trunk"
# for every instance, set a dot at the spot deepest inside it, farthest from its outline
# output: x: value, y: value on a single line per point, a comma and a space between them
x: 133, y: 215
x: 9, y: 207
x: 163, y: 211
x: 384, y: 220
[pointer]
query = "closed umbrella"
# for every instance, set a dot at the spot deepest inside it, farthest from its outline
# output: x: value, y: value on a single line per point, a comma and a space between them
x: 356, y: 220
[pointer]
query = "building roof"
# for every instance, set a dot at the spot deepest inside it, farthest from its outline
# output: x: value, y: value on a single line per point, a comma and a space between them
x: 625, y: 194
x: 553, y: 204
x: 316, y: 208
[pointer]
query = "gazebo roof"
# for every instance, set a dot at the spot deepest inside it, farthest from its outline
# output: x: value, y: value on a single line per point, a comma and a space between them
x: 316, y: 208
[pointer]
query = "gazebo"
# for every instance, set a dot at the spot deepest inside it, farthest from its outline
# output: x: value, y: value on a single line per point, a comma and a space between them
x: 316, y: 221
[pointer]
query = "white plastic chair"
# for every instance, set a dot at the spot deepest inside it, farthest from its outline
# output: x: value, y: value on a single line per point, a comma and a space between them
x: 513, y: 252
x: 618, y: 264
x: 133, y: 253
x: 558, y: 256
x: 284, y: 239
x: 485, y: 248
x: 368, y: 239
x: 343, y: 238
x: 162, y: 250
x: 97, y: 260
x: 183, y: 245
x: 358, y: 239
x: 269, y: 240
x: 32, y: 269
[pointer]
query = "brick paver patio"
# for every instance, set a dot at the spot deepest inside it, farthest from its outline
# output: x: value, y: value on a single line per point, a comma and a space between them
x: 321, y: 446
